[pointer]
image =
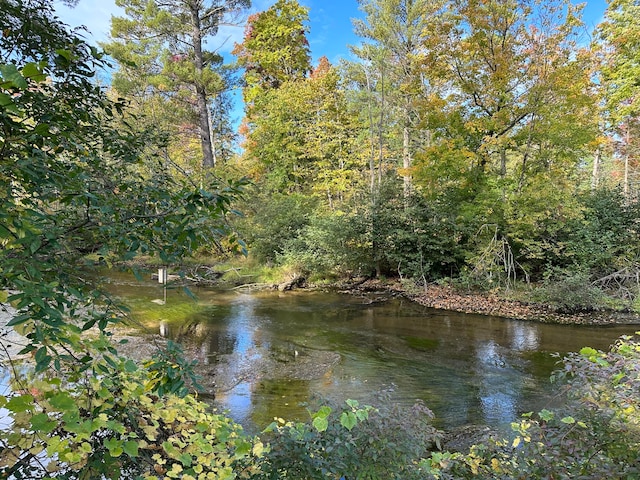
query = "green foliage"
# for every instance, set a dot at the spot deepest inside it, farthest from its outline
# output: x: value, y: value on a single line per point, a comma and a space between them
x: 416, y: 237
x: 161, y: 49
x: 171, y: 373
x: 113, y: 422
x: 275, y: 48
x: 606, y: 237
x: 334, y: 243
x: 621, y: 67
x: 275, y: 222
x: 351, y: 442
x: 569, y: 291
x: 71, y: 184
x: 77, y: 178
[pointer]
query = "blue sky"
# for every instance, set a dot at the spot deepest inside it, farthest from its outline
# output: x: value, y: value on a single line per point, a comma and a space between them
x: 331, y: 30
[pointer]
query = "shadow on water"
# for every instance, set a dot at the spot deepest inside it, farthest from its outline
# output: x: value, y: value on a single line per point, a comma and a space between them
x: 273, y: 352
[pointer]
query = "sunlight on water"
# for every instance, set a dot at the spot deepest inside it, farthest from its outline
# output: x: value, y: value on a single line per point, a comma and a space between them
x: 273, y: 353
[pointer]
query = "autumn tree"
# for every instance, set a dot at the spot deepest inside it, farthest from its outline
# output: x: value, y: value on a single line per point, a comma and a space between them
x: 619, y: 35
x: 518, y: 116
x: 274, y: 49
x: 396, y: 37
x: 303, y: 138
x: 160, y: 46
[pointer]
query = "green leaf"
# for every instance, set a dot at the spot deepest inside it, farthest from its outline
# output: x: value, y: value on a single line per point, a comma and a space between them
x: 320, y: 423
x: 20, y: 403
x: 31, y: 70
x: 588, y: 352
x: 568, y: 420
x: 546, y: 415
x: 130, y: 447
x: 42, y: 423
x: 6, y: 101
x: 189, y: 293
x: 18, y: 319
x: 353, y: 403
x: 63, y: 401
x: 348, y: 420
x: 114, y: 446
x: 11, y: 75
x: 185, y: 459
x: 130, y: 366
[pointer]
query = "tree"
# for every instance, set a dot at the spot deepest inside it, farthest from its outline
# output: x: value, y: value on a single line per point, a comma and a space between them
x: 166, y: 40
x: 303, y: 138
x: 519, y: 117
x: 516, y: 69
x: 275, y: 48
x: 71, y: 186
x: 619, y: 35
x: 397, y: 30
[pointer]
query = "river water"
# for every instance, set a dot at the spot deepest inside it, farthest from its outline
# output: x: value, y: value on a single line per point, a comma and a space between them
x: 466, y: 368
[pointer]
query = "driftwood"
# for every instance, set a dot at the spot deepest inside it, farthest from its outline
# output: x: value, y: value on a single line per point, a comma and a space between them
x: 295, y: 282
x: 625, y: 283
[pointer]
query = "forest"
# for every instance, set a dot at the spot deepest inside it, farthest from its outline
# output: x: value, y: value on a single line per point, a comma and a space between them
x: 490, y: 145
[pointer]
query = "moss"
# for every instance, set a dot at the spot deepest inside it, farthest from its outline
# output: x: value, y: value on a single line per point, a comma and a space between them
x: 423, y: 344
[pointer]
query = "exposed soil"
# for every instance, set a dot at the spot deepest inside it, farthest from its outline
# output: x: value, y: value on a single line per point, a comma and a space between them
x: 490, y: 304
x: 447, y: 298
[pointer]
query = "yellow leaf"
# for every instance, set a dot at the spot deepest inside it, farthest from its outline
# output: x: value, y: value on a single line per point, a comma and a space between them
x: 258, y: 449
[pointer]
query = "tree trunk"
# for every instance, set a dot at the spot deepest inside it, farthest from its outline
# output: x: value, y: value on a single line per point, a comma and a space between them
x: 627, y: 154
x: 380, y: 127
x: 406, y: 157
x: 372, y: 135
x: 201, y: 94
x: 595, y: 174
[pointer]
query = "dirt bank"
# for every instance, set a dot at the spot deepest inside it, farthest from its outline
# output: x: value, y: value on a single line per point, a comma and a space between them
x: 444, y: 297
x: 448, y: 298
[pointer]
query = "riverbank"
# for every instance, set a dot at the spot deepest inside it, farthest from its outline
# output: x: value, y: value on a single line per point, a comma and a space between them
x: 444, y: 297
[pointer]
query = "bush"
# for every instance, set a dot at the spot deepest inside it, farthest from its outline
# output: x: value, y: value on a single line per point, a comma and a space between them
x: 569, y: 292
x: 416, y: 238
x: 111, y: 421
x: 275, y: 223
x: 354, y: 442
x: 334, y: 243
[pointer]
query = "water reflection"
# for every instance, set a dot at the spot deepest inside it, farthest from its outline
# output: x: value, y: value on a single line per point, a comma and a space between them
x: 498, y: 398
x: 523, y: 335
x: 466, y: 368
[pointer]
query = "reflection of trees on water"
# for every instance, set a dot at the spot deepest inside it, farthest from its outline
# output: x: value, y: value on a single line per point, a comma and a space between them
x: 501, y: 372
x: 467, y: 368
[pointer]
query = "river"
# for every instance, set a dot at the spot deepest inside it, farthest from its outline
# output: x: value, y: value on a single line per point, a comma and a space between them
x: 468, y: 369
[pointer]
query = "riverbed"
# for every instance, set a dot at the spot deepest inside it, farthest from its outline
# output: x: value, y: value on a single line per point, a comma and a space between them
x: 269, y: 354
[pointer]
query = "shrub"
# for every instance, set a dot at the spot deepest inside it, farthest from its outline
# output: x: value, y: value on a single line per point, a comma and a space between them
x: 334, y: 243
x: 354, y: 442
x: 569, y: 292
x: 274, y: 224
x: 416, y: 238
x: 109, y: 420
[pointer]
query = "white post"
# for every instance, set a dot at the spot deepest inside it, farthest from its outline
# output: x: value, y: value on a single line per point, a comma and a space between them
x: 162, y: 275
